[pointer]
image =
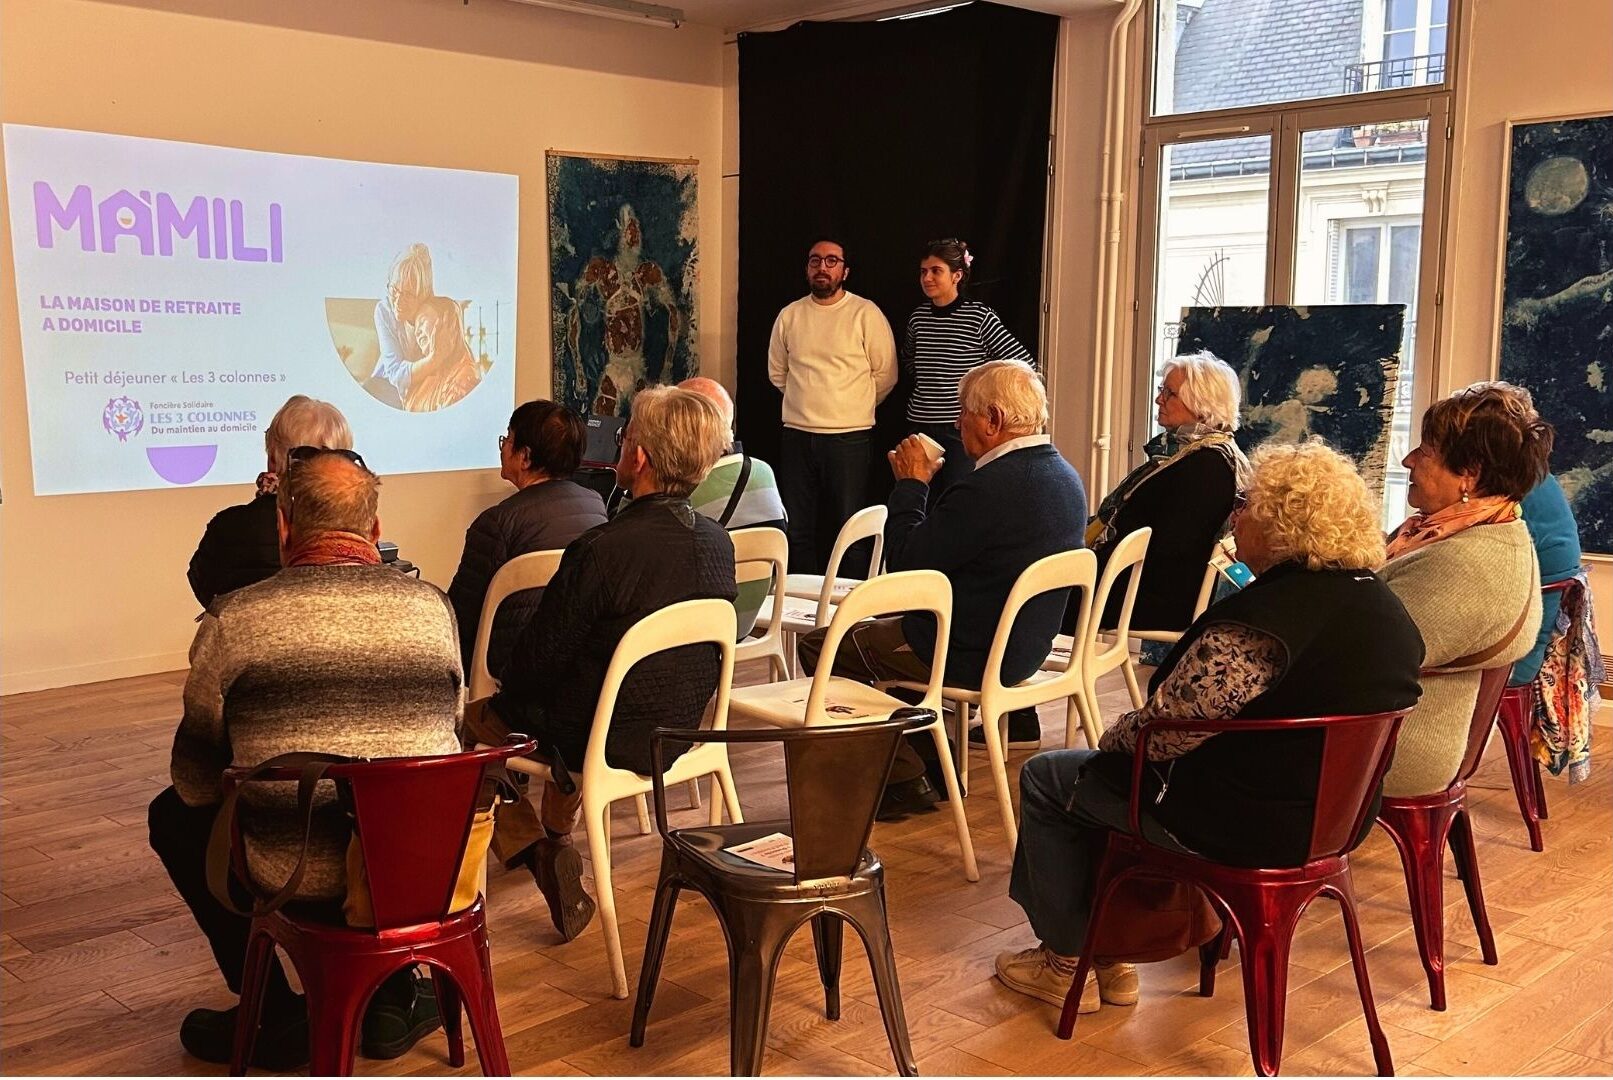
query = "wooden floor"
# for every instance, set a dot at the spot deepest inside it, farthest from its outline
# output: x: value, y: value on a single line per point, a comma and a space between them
x: 99, y: 960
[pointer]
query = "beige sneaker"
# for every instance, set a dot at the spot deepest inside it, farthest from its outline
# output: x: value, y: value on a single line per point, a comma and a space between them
x: 1029, y: 972
x: 1117, y: 983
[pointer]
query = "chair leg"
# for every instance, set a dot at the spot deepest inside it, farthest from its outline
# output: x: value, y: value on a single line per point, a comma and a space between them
x: 724, y: 778
x: 991, y: 725
x: 1074, y: 712
x: 955, y: 799
x: 756, y: 933
x: 1211, y: 953
x: 259, y: 951
x: 1467, y: 868
x: 470, y: 965
x: 598, y: 821
x: 866, y: 913
x: 1092, y: 716
x: 694, y: 793
x: 1265, y: 921
x: 1344, y: 891
x: 336, y: 999
x: 448, y: 1007
x: 960, y: 748
x: 1129, y: 672
x: 827, y: 933
x: 643, y: 806
x: 1541, y: 812
x: 1513, y: 720
x: 666, y: 905
x: 1420, y: 837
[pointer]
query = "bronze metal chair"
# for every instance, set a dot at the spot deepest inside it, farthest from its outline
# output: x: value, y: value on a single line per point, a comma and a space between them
x: 834, y: 777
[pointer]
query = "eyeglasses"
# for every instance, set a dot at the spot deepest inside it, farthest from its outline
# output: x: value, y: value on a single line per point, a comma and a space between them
x: 831, y: 261
x: 307, y: 453
x: 1166, y: 393
x: 621, y: 436
x: 502, y: 439
x: 1239, y: 502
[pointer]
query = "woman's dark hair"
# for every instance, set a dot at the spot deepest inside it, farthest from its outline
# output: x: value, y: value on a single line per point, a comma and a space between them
x: 553, y: 436
x: 955, y: 253
x: 1492, y: 428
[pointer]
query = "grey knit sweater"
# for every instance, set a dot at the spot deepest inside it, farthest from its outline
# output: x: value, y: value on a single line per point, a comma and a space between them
x: 1465, y: 594
x: 354, y: 660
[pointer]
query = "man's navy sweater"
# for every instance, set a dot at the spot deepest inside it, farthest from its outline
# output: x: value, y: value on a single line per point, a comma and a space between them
x: 982, y: 534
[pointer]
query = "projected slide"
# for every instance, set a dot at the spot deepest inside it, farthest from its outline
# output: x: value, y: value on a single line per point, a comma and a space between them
x: 173, y: 295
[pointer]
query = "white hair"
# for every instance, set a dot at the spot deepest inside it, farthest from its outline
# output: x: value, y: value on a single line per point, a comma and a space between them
x: 1014, y: 388
x: 305, y: 421
x: 1209, y: 388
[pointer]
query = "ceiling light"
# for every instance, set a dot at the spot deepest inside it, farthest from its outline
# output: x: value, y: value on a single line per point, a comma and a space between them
x: 626, y: 10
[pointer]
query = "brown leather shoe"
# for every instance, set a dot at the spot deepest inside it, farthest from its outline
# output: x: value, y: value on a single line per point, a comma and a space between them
x: 557, y: 868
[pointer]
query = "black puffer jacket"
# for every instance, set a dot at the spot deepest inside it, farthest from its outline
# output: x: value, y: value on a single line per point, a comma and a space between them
x: 240, y: 547
x: 543, y: 517
x: 655, y: 552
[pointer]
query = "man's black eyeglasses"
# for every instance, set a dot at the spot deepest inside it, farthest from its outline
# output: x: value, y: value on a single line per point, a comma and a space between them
x: 307, y: 453
x: 831, y: 261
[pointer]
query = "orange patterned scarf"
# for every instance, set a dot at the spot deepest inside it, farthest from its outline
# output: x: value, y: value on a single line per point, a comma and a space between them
x: 334, y: 549
x: 1420, y: 530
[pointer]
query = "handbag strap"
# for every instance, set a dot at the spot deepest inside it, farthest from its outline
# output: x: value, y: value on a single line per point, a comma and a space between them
x: 219, y: 844
x: 1483, y: 657
x: 738, y: 492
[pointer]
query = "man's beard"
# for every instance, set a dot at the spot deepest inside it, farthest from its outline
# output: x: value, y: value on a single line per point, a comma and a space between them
x: 824, y: 291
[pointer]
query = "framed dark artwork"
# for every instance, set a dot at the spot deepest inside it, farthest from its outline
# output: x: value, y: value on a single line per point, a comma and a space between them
x: 1556, y: 332
x: 1324, y: 371
x: 624, y: 271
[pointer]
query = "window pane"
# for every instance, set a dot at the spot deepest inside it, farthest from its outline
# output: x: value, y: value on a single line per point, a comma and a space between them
x: 1358, y: 181
x: 1212, y: 231
x: 1222, y: 54
x: 1440, y: 13
x: 1400, y: 15
x: 1361, y: 265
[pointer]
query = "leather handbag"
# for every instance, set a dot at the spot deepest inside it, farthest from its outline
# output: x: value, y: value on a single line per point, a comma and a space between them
x: 1150, y: 918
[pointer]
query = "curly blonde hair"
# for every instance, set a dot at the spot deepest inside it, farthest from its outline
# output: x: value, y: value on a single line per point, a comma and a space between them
x: 1312, y: 506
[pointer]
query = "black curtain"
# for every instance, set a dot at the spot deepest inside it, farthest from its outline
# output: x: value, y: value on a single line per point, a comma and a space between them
x: 886, y: 135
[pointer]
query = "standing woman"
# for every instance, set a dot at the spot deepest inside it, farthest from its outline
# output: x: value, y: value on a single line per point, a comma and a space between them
x: 947, y: 336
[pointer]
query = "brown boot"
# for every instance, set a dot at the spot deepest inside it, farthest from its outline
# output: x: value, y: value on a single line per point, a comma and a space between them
x: 557, y: 868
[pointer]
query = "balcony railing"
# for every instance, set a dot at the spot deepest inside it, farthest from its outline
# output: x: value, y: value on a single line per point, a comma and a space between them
x: 1394, y: 74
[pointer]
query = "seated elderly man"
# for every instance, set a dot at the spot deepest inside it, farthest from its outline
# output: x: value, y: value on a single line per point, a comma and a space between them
x: 740, y: 492
x: 1021, y: 503
x: 335, y: 654
x: 655, y: 552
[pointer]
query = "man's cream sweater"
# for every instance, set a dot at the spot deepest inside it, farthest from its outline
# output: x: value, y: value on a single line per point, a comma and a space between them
x: 834, y: 363
x: 1465, y: 594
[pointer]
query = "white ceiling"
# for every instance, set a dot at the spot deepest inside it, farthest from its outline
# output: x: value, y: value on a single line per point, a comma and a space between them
x: 734, y: 15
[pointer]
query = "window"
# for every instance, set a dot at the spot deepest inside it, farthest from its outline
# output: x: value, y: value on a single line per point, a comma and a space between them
x: 1230, y: 54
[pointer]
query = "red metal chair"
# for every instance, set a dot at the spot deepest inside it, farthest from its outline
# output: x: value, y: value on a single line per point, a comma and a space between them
x: 1516, y: 722
x: 1422, y: 826
x: 413, y: 818
x: 1261, y: 906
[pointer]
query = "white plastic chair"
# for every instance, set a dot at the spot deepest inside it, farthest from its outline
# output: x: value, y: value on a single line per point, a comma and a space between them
x: 692, y: 622
x: 772, y: 547
x: 830, y: 699
x: 531, y: 571
x: 1076, y: 570
x: 866, y: 523
x: 1168, y: 637
x: 1084, y: 651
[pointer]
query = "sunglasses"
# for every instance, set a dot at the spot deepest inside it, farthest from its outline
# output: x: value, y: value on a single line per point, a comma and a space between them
x: 308, y: 453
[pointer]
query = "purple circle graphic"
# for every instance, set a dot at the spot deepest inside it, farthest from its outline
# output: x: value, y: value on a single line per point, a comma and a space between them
x: 182, y: 464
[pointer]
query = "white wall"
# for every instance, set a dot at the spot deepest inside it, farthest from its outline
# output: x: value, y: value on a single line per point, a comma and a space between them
x: 93, y: 586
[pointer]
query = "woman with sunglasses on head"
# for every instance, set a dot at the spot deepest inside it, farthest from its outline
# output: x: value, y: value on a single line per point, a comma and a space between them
x: 240, y: 546
x: 947, y: 336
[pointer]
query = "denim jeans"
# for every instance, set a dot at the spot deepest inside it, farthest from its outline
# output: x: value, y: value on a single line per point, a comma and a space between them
x: 1066, y: 815
x: 822, y: 480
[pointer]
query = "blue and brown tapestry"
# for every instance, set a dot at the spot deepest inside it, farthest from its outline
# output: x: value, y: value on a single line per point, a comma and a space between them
x: 1320, y: 371
x: 1557, y: 303
x: 624, y: 268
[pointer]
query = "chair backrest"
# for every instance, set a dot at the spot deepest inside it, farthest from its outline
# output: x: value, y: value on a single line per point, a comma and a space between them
x: 1356, y: 751
x: 1492, y: 683
x: 1126, y: 558
x: 413, y: 817
x: 1076, y: 569
x: 755, y: 549
x: 869, y: 522
x: 691, y: 622
x: 533, y: 570
x: 888, y: 594
x: 834, y: 777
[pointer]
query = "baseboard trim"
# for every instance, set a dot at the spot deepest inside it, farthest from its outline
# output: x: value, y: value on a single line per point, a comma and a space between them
x: 27, y: 682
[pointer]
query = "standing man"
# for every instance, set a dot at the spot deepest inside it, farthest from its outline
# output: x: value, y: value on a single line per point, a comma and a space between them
x: 833, y: 356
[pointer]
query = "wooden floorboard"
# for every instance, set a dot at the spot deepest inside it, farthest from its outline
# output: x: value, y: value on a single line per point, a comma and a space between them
x: 99, y: 959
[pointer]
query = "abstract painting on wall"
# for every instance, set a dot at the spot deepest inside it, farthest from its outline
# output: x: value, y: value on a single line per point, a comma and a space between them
x: 1326, y: 371
x: 1557, y: 303
x: 624, y: 269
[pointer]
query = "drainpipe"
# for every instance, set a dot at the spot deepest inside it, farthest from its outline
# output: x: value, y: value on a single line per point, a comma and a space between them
x: 1111, y: 206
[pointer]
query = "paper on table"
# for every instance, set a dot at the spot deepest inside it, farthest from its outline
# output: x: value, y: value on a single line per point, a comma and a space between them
x: 776, y: 851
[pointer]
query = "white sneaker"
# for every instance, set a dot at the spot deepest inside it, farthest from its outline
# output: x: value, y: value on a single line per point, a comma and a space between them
x: 1029, y: 972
